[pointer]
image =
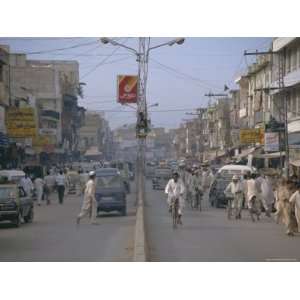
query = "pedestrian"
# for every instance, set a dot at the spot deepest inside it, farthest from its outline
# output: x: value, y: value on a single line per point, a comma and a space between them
x: 267, y: 194
x: 61, y: 186
x: 89, y: 205
x: 39, y: 188
x: 252, y: 200
x: 175, y: 190
x: 235, y: 188
x: 27, y: 185
x: 196, y: 189
x: 295, y: 206
x: 49, y: 186
x: 207, y: 179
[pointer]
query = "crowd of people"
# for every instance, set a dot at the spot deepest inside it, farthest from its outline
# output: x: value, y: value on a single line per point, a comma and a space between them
x: 258, y: 192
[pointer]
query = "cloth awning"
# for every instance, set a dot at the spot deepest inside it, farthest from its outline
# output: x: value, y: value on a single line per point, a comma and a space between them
x: 245, y: 152
x: 270, y: 155
x: 93, y: 151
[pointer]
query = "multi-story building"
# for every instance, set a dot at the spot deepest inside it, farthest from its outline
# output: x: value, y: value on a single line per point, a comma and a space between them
x: 288, y: 51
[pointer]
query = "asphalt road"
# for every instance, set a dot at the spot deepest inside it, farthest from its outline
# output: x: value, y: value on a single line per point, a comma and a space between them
x: 209, y: 236
x: 54, y: 236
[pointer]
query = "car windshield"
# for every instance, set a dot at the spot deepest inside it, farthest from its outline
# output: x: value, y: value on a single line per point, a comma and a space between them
x: 108, y: 182
x: 227, y: 173
x: 7, y: 192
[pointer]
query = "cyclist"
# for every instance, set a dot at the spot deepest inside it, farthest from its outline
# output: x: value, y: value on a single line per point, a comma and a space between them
x: 235, y: 188
x: 175, y: 190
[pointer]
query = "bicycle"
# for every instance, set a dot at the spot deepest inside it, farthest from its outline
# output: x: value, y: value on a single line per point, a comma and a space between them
x: 229, y: 206
x: 174, y: 211
x: 196, y: 201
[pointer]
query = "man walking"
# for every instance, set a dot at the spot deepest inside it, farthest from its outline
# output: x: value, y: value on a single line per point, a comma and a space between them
x: 39, y: 187
x: 89, y: 205
x: 252, y: 197
x: 61, y: 186
x: 49, y: 186
x: 27, y: 185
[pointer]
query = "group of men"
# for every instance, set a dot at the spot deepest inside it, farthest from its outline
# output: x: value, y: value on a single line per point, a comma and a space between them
x: 44, y: 187
x: 188, y: 183
x: 257, y: 192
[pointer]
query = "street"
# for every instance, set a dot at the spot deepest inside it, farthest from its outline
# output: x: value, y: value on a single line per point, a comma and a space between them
x: 54, y: 236
x: 209, y: 236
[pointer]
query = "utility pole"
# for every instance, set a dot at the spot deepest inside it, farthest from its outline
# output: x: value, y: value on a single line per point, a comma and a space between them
x: 282, y: 90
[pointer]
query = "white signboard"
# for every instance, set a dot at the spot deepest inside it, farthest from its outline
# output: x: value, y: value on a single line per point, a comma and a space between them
x: 271, y: 141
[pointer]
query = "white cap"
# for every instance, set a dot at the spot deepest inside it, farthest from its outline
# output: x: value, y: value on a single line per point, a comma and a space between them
x: 92, y: 173
x: 235, y: 177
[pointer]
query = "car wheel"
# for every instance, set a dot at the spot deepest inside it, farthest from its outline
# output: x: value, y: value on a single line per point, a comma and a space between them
x: 29, y: 217
x: 18, y: 220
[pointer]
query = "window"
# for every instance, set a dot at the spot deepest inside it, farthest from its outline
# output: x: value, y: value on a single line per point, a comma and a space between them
x: 288, y: 61
x: 294, y: 59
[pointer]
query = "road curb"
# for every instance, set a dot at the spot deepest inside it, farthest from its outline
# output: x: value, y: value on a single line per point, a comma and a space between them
x: 140, y: 243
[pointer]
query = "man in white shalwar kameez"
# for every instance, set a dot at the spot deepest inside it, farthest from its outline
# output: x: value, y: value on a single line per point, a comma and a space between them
x: 252, y: 200
x: 267, y: 194
x: 89, y: 201
x: 175, y: 190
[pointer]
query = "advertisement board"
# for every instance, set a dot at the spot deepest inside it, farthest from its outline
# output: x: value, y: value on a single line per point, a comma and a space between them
x: 252, y: 136
x: 271, y: 141
x: 20, y: 122
x: 127, y: 88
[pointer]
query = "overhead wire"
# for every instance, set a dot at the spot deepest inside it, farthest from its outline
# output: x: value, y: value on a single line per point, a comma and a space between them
x: 188, y: 76
x: 102, y: 62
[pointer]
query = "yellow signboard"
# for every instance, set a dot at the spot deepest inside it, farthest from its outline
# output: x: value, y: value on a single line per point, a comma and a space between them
x: 252, y: 136
x: 20, y: 122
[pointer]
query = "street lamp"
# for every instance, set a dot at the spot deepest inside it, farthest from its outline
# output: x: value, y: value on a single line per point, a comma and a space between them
x: 142, y: 56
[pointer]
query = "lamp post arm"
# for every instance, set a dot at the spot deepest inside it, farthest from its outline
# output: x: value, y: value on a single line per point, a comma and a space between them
x: 115, y: 43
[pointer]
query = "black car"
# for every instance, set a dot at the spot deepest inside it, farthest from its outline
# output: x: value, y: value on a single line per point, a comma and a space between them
x: 110, y: 191
x: 161, y: 178
x: 15, y: 205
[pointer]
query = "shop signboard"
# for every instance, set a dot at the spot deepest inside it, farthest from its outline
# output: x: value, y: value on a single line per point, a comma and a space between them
x: 271, y: 141
x: 251, y: 136
x: 127, y: 89
x: 20, y: 122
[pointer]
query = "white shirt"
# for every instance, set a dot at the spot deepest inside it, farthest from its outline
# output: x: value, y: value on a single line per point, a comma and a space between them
x: 49, y: 180
x: 27, y: 185
x: 295, y: 199
x: 175, y: 190
x: 60, y: 179
x: 39, y: 183
x: 234, y: 188
x: 251, y: 188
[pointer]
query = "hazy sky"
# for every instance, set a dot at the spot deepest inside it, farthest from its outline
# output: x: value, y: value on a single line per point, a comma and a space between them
x: 178, y: 78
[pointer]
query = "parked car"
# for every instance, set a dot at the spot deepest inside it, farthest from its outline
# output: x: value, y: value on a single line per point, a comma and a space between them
x: 15, y: 205
x: 110, y: 191
x: 14, y: 176
x: 223, y: 177
x: 161, y: 178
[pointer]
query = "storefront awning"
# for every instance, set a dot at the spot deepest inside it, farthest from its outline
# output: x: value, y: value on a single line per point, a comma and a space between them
x: 270, y: 155
x: 295, y: 163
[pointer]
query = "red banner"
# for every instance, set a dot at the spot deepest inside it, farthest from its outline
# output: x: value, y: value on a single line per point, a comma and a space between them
x: 127, y: 88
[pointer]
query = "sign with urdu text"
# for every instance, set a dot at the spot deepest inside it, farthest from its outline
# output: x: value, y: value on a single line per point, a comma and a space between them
x: 271, y: 141
x: 20, y: 122
x: 252, y: 136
